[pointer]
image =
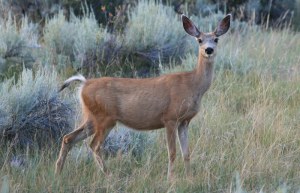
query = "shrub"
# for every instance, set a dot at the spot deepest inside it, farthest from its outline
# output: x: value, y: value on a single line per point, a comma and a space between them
x: 154, y: 32
x: 12, y: 43
x: 95, y: 49
x: 79, y: 43
x: 59, y: 38
x: 32, y: 113
x: 124, y: 140
x: 15, y: 45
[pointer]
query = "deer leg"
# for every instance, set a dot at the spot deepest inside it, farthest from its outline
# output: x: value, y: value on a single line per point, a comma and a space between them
x: 171, y: 141
x: 184, y: 145
x: 102, y: 130
x: 69, y: 140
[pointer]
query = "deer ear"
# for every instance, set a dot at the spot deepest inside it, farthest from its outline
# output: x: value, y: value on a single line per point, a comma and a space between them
x: 189, y: 27
x: 223, y: 26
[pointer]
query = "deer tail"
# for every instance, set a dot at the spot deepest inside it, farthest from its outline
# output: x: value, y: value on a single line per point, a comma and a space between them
x: 78, y: 77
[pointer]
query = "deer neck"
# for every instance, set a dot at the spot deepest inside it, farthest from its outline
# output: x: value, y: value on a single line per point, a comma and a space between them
x: 204, y: 72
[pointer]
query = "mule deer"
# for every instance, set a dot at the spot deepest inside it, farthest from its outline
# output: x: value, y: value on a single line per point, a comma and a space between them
x: 169, y: 101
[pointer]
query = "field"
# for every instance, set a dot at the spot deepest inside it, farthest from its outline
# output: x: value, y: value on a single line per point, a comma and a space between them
x: 246, y: 137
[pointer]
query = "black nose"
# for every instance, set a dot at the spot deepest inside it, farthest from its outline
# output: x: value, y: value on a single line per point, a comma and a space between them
x: 209, y: 51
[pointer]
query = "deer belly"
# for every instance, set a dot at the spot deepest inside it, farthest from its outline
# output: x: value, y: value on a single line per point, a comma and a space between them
x: 141, y: 123
x: 141, y: 116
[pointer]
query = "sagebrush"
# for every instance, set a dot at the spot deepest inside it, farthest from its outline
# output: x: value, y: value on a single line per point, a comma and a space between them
x: 32, y: 112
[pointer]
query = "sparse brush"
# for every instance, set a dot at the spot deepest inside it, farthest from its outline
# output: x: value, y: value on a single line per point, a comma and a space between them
x: 32, y: 113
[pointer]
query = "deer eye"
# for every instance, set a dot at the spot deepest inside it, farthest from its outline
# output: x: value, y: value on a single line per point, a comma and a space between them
x: 200, y: 41
x: 216, y: 40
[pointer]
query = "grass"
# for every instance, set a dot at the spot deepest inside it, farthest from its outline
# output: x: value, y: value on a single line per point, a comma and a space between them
x: 246, y: 137
x: 248, y: 126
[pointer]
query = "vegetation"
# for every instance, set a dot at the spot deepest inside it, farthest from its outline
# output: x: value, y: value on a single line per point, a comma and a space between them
x: 245, y: 138
x: 32, y: 113
x: 113, y: 12
x: 77, y: 43
x: 146, y: 32
x: 16, y: 45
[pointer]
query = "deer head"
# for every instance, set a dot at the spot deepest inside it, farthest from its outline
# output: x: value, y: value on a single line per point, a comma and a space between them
x: 207, y: 41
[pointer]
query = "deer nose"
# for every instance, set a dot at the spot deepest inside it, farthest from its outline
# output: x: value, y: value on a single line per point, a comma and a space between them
x: 209, y: 51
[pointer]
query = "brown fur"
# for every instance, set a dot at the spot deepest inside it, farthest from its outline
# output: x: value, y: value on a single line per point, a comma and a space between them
x: 169, y: 101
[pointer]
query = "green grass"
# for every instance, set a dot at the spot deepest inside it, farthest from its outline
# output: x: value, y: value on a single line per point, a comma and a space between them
x: 245, y: 138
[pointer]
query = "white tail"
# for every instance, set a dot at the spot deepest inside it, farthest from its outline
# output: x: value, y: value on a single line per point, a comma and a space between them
x: 78, y: 77
x: 169, y: 101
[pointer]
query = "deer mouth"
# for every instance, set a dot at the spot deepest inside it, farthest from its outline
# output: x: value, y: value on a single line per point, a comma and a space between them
x: 205, y: 55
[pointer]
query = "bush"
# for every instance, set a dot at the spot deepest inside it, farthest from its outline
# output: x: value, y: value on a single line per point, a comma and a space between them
x: 32, y: 113
x: 79, y: 43
x: 95, y: 49
x: 154, y: 31
x: 124, y: 140
x: 59, y: 38
x: 15, y: 45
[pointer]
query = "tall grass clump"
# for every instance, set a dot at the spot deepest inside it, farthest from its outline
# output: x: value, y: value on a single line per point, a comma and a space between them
x: 16, y: 43
x: 154, y: 31
x: 32, y: 113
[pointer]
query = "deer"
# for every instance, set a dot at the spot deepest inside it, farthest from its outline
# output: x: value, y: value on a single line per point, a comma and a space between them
x: 168, y: 101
